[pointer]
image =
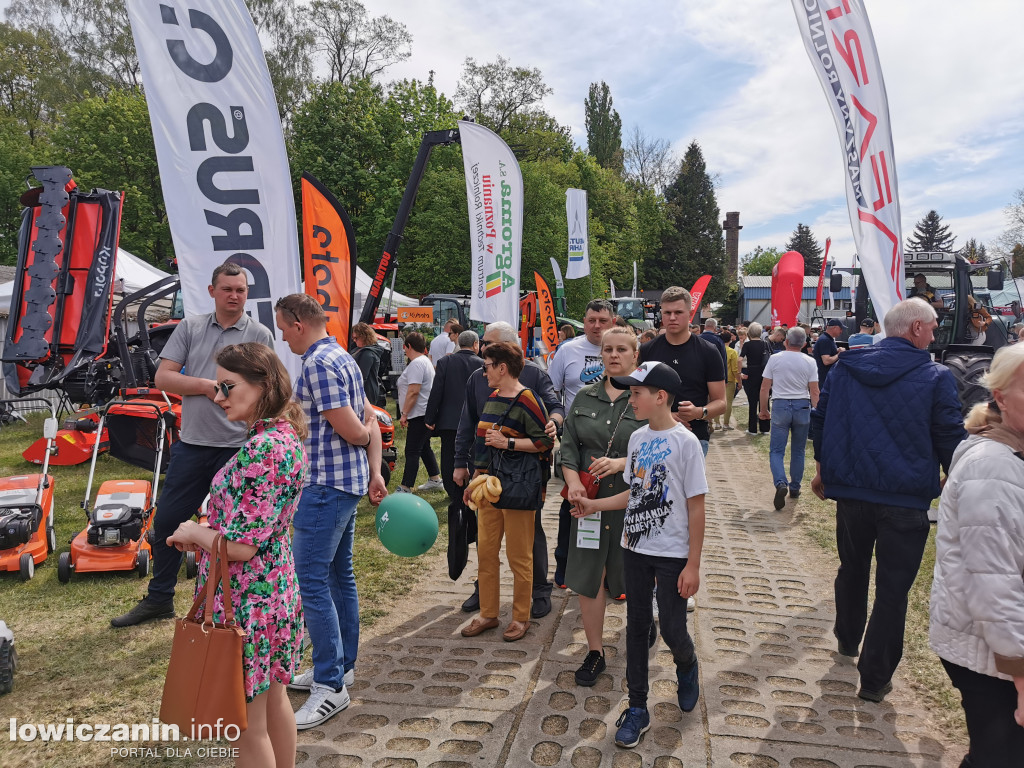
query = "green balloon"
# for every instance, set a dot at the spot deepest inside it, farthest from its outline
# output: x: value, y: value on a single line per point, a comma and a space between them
x: 406, y: 524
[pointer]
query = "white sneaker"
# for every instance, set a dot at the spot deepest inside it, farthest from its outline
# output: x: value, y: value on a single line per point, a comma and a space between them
x: 323, y: 703
x: 691, y: 603
x: 305, y: 680
x: 430, y: 485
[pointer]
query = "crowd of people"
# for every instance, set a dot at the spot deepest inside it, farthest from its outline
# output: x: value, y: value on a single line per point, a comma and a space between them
x: 632, y: 416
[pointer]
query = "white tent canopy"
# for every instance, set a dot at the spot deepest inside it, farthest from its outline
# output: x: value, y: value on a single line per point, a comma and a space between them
x: 363, y: 283
x: 134, y: 273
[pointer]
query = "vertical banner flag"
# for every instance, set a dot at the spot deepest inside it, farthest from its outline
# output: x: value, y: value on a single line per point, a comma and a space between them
x: 821, y: 277
x: 611, y: 287
x: 494, y: 188
x: 329, y: 256
x: 634, y: 279
x: 697, y: 293
x: 221, y: 152
x: 842, y: 50
x: 559, y: 283
x: 546, y: 313
x: 579, y: 250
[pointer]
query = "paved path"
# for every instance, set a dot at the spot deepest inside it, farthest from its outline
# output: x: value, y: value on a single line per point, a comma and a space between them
x: 773, y: 691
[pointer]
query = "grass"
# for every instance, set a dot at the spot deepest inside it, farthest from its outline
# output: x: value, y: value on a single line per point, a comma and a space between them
x: 72, y: 663
x: 920, y: 664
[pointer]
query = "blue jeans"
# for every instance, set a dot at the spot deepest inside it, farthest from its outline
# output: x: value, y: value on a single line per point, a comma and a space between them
x: 325, y: 524
x: 704, y: 445
x: 789, y: 417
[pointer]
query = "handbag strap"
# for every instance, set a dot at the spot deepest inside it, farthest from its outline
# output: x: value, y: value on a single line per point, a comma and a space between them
x: 218, y: 572
x: 616, y: 429
x: 510, y: 407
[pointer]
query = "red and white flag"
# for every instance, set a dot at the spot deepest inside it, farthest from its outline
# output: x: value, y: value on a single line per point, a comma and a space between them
x: 839, y: 42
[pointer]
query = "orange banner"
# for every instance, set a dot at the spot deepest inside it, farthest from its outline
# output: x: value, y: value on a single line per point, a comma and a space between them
x: 546, y: 313
x: 329, y: 256
x: 424, y: 315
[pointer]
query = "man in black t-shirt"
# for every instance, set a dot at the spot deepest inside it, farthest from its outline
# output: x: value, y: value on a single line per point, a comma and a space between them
x: 826, y: 352
x: 701, y: 394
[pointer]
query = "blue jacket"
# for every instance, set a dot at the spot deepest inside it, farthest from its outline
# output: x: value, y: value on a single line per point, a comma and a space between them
x: 887, y: 417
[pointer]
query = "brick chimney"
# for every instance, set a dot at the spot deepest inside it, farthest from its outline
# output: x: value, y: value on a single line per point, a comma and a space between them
x: 732, y: 228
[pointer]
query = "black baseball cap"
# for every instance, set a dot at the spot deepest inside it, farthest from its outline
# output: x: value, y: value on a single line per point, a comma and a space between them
x: 650, y: 374
x: 833, y: 323
x: 867, y: 322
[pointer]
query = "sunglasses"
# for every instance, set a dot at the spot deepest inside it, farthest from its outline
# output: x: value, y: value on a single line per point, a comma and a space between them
x: 225, y: 389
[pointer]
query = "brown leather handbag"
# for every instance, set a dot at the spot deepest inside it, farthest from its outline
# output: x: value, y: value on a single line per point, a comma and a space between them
x: 205, y: 682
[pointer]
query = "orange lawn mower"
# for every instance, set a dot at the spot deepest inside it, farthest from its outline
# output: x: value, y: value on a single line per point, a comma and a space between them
x: 119, y: 531
x: 27, y: 534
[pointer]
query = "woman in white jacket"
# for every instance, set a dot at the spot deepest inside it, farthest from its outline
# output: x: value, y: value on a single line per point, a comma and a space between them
x: 977, y: 600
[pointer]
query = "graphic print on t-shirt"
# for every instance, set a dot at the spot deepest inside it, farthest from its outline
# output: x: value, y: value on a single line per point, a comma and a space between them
x: 649, y: 505
x: 593, y: 369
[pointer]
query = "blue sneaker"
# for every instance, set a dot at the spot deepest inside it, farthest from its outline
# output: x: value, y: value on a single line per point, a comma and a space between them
x: 633, y: 723
x: 689, y: 688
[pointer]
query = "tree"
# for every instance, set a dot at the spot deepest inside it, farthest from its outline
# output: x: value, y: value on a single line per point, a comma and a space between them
x: 693, y: 244
x: 649, y: 162
x: 355, y: 45
x: 1017, y: 261
x: 122, y: 159
x: 804, y: 243
x: 534, y: 135
x: 288, y: 45
x: 760, y: 261
x: 96, y: 34
x: 974, y: 251
x: 492, y: 94
x: 604, y: 127
x: 931, y: 234
x: 17, y: 155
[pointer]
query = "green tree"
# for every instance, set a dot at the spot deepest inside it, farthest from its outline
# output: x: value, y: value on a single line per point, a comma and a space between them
x: 492, y: 94
x: 974, y: 251
x: 760, y: 261
x: 604, y: 127
x: 107, y: 141
x: 17, y: 155
x: 534, y: 135
x: 804, y: 243
x: 931, y: 234
x: 1017, y: 260
x: 692, y: 245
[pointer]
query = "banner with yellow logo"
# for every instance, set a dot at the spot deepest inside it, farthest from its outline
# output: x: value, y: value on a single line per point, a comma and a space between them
x: 494, y: 189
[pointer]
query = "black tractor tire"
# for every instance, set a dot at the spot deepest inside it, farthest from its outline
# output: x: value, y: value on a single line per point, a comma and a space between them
x: 967, y: 368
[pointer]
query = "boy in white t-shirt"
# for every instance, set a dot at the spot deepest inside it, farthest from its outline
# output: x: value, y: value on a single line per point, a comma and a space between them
x: 662, y: 539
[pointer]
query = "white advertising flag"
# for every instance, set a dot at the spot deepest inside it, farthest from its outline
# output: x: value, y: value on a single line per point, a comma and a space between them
x: 559, y: 284
x: 494, y: 188
x: 576, y: 215
x: 611, y: 287
x: 220, y: 148
x: 842, y: 50
x: 634, y: 279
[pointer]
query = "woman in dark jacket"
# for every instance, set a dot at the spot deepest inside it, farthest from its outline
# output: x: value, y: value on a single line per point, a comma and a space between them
x: 755, y: 354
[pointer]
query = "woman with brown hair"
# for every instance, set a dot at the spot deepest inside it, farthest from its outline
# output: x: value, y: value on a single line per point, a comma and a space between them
x: 598, y: 425
x: 252, y: 501
x: 512, y: 420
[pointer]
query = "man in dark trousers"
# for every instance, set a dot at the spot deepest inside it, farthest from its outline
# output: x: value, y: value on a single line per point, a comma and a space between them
x: 477, y: 393
x: 447, y: 398
x: 208, y: 440
x: 826, y: 352
x: 886, y: 419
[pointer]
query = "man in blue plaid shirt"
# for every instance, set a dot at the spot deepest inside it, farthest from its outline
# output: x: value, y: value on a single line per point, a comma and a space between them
x: 344, y: 454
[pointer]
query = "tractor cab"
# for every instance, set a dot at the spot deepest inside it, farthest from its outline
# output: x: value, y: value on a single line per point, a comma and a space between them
x: 632, y: 310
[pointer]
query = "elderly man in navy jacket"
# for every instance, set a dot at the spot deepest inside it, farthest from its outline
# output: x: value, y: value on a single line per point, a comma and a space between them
x: 444, y: 407
x: 886, y: 419
x: 477, y: 392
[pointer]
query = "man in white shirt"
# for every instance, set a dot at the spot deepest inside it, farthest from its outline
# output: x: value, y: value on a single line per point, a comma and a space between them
x: 442, y: 344
x: 792, y: 378
x: 577, y: 364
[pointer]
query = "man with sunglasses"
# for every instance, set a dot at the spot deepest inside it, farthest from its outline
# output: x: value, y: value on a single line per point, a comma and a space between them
x: 477, y: 392
x: 208, y: 440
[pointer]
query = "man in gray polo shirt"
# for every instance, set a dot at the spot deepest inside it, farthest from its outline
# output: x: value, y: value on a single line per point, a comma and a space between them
x: 208, y: 440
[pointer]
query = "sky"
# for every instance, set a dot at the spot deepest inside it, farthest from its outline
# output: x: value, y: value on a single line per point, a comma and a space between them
x: 735, y: 77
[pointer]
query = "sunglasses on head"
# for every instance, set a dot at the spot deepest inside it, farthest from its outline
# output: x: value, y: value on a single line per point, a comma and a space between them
x: 225, y: 388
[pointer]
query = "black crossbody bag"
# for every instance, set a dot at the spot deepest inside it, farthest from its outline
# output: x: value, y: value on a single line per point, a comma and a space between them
x: 518, y: 471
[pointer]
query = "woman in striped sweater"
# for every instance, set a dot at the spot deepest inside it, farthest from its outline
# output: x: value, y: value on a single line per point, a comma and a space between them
x: 512, y: 420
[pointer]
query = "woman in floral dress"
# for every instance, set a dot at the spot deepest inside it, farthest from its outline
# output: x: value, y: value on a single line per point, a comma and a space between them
x: 252, y: 501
